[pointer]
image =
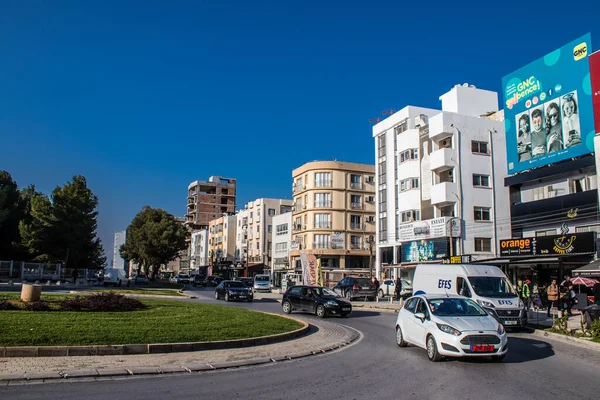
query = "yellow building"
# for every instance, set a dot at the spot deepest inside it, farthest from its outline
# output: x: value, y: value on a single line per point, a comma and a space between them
x: 221, y: 240
x: 334, y: 217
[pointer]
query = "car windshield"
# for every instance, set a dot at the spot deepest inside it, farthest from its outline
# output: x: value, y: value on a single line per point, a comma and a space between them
x: 261, y: 278
x: 235, y: 284
x: 321, y: 291
x: 492, y: 286
x: 453, y: 307
x: 363, y: 281
x: 183, y: 276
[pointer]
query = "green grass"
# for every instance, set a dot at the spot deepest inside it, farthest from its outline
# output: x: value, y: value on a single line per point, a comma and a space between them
x: 163, y: 322
x: 154, y: 292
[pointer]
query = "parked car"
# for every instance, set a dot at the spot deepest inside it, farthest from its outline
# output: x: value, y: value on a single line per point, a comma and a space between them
x: 351, y: 287
x: 387, y: 288
x: 212, y: 280
x: 450, y: 325
x: 233, y: 290
x: 182, y: 278
x: 262, y: 282
x: 315, y: 299
x: 116, y: 277
x: 140, y: 280
x: 247, y: 281
x: 198, y: 280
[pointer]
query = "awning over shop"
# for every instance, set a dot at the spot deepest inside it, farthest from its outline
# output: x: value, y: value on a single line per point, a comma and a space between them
x: 592, y: 269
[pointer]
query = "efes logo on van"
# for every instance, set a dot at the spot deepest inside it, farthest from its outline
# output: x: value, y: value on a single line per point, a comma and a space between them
x: 517, y: 247
x: 580, y: 51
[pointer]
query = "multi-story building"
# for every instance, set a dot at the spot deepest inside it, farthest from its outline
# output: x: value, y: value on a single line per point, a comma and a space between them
x: 439, y: 182
x: 221, y: 240
x: 334, y: 216
x: 255, y: 224
x: 209, y: 200
x: 282, y: 243
x: 199, y: 250
x: 118, y: 262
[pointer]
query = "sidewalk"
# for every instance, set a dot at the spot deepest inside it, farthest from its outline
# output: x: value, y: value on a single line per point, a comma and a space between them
x: 324, y: 337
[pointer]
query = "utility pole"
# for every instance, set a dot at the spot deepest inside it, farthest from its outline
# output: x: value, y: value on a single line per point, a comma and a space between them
x: 371, y: 241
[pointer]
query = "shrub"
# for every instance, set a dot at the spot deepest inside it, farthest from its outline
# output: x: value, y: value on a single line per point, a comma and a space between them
x: 106, y: 302
x: 77, y: 304
x: 595, y: 330
x: 6, y: 306
x: 37, y: 306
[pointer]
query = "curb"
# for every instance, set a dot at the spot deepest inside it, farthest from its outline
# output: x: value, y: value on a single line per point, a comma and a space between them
x: 389, y: 310
x: 567, y: 339
x: 156, y: 348
x: 99, y: 374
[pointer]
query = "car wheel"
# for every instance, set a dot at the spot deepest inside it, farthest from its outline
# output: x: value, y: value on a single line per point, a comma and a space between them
x: 226, y: 296
x: 499, y: 358
x: 380, y: 294
x: 348, y: 295
x: 287, y: 307
x: 216, y: 295
x: 320, y: 311
x: 400, y: 337
x: 432, y: 351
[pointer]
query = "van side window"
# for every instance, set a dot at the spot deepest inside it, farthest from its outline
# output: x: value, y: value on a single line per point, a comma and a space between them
x: 411, y: 304
x: 462, y: 288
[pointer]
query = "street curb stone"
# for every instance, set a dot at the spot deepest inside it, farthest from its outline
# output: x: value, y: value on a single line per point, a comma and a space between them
x: 567, y: 339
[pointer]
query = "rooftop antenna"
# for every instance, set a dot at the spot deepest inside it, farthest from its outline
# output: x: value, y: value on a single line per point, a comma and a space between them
x: 386, y: 112
x: 376, y: 121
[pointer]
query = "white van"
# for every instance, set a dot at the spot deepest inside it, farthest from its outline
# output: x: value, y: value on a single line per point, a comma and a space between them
x: 114, y: 276
x: 486, y: 284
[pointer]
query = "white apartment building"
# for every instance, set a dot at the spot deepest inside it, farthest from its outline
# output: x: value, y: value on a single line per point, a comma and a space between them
x: 282, y: 243
x: 440, y: 182
x: 199, y: 249
x: 118, y: 262
x: 254, y: 227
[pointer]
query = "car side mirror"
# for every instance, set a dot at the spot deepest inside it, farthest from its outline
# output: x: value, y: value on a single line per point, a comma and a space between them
x: 420, y: 316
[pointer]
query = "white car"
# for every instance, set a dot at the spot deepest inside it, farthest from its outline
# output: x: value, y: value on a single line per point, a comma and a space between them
x: 450, y: 326
x: 387, y: 288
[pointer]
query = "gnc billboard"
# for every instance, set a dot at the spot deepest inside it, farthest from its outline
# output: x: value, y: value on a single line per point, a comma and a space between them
x: 595, y: 78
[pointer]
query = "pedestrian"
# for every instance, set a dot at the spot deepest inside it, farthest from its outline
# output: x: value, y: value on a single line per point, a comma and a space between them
x: 597, y: 291
x: 552, y: 291
x: 526, y: 294
x: 376, y: 283
x: 398, y: 288
x: 567, y: 289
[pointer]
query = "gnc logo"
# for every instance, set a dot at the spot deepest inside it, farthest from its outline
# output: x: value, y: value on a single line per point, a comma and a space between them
x: 580, y: 51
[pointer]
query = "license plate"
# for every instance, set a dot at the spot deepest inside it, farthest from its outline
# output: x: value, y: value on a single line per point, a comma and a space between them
x: 365, y: 287
x: 346, y: 309
x: 482, y: 348
x: 242, y: 297
x: 510, y: 322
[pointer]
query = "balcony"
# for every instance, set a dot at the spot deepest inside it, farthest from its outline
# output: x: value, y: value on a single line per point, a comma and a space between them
x: 356, y: 206
x: 297, y: 227
x: 355, y: 246
x: 321, y: 246
x: 356, y: 185
x: 299, y: 207
x: 444, y: 193
x: 319, y: 184
x: 442, y: 159
x: 439, y: 127
x: 298, y: 188
x: 323, y: 225
x: 323, y: 204
x: 357, y: 226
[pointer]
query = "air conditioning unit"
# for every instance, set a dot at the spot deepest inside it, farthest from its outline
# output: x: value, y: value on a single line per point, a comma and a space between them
x: 371, y: 199
x: 450, y: 173
x: 370, y: 179
x: 445, y: 144
x: 370, y: 219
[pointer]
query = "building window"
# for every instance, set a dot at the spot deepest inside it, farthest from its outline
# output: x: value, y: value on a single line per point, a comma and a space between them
x: 478, y: 147
x: 355, y: 243
x: 483, y: 244
x: 257, y: 245
x: 381, y: 145
x: 270, y: 228
x: 410, y: 154
x: 322, y: 200
x: 383, y: 229
x: 355, y: 201
x: 547, y: 232
x: 382, y: 171
x: 410, y: 183
x: 481, y: 214
x: 322, y: 221
x: 271, y: 212
x: 481, y: 180
x: 355, y: 182
x: 281, y: 229
x: 410, y: 215
x: 280, y: 247
x: 382, y: 200
x: 544, y: 192
x: 250, y: 214
x: 387, y: 255
x: 321, y: 242
x: 589, y: 228
x: 355, y: 222
x: 257, y: 228
x: 322, y: 179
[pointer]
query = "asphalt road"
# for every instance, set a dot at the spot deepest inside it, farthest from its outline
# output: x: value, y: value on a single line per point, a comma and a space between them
x: 372, y: 368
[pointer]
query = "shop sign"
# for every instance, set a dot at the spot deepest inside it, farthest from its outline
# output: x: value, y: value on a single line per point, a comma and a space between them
x: 464, y: 259
x: 425, y: 250
x: 337, y: 240
x: 582, y: 242
x: 517, y: 247
x: 429, y: 229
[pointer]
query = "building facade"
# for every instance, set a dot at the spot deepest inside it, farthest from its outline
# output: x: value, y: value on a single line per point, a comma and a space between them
x: 208, y: 200
x: 199, y: 250
x: 255, y: 225
x: 439, y: 180
x: 118, y: 262
x: 221, y: 240
x: 282, y: 243
x: 334, y: 217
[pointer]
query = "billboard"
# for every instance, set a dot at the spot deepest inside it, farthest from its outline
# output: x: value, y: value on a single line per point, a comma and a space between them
x: 425, y: 250
x: 548, y: 108
x: 595, y: 78
x: 429, y: 229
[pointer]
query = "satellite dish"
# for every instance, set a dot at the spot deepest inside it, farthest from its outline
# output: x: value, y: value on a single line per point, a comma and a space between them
x: 465, y: 85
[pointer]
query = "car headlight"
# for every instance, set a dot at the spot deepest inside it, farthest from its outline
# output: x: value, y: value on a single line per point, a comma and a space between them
x: 230, y: 292
x: 448, y: 329
x: 331, y: 303
x: 487, y: 304
x: 500, y: 330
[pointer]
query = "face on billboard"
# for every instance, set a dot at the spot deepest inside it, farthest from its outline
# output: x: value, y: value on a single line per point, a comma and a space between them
x: 548, y: 108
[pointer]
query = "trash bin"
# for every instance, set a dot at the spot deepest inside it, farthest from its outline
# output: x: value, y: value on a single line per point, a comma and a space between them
x: 31, y: 292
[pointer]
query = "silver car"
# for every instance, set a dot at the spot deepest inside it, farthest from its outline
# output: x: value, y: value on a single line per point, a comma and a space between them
x: 262, y: 283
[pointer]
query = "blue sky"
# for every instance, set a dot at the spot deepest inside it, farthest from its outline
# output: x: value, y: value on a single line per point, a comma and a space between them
x: 143, y: 97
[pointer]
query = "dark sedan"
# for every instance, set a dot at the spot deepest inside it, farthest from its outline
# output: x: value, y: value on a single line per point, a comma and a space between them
x: 233, y: 290
x: 315, y: 299
x: 247, y: 281
x: 351, y: 287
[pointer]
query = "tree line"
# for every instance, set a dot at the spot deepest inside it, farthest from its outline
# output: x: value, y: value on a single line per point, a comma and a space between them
x: 60, y: 228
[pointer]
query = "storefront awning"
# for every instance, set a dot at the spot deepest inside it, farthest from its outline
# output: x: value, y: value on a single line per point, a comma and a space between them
x: 592, y: 269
